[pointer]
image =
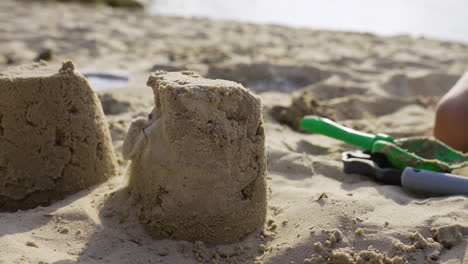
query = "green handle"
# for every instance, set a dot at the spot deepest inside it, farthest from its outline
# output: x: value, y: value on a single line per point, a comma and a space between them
x: 329, y: 128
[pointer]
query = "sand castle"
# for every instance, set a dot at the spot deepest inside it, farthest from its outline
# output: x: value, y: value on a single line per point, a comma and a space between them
x: 54, y: 140
x: 198, y: 162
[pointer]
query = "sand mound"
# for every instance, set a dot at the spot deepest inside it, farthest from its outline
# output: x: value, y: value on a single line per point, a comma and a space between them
x: 341, y: 99
x: 302, y: 105
x: 53, y: 137
x: 198, y: 162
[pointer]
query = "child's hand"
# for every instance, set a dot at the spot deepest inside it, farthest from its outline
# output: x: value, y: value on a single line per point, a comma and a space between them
x: 451, y: 122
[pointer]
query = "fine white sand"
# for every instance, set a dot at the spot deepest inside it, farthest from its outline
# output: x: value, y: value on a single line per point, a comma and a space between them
x: 316, y: 213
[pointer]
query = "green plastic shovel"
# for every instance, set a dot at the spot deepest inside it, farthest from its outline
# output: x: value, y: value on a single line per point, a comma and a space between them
x: 417, y: 152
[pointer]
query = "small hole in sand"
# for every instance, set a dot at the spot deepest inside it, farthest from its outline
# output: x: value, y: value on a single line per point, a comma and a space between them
x: 1, y: 127
x: 99, y: 153
x: 31, y: 123
x: 73, y: 110
x: 260, y: 131
x: 161, y: 192
x: 248, y: 191
x: 59, y: 136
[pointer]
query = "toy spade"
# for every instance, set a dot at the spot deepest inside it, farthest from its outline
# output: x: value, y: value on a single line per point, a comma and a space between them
x: 373, y: 165
x: 417, y: 152
x: 376, y: 166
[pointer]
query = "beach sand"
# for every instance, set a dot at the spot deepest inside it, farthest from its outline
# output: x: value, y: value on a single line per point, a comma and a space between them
x: 316, y: 213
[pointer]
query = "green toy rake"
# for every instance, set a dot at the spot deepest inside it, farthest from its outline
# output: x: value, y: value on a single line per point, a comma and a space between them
x: 417, y: 152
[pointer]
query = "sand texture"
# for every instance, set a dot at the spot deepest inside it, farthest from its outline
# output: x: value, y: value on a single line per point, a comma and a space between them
x: 54, y: 140
x: 316, y: 213
x: 198, y: 162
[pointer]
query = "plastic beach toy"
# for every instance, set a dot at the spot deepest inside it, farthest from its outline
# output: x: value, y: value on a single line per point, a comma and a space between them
x: 375, y: 165
x: 431, y: 182
x: 418, y: 152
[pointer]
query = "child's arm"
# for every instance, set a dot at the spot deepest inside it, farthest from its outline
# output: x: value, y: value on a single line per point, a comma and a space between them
x: 451, y: 122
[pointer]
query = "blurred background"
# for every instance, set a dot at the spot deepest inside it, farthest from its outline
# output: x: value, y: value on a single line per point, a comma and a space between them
x: 441, y: 19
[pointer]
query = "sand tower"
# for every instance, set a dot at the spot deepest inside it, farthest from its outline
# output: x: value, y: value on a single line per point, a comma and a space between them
x: 54, y: 140
x: 198, y: 162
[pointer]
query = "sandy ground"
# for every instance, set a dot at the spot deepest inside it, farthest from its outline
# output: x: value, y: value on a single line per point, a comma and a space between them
x: 373, y: 83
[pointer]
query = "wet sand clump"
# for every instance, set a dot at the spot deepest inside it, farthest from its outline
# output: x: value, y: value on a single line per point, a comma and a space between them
x: 54, y: 140
x: 198, y: 162
x: 302, y: 104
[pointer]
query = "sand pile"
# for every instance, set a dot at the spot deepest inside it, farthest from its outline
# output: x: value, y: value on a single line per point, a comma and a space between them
x: 198, y: 161
x: 54, y: 139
